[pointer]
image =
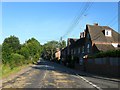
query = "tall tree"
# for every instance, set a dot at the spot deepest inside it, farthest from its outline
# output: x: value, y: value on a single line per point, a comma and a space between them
x: 10, y: 45
x: 0, y: 54
x: 24, y: 51
x: 33, y: 47
x: 62, y: 44
x: 49, y: 48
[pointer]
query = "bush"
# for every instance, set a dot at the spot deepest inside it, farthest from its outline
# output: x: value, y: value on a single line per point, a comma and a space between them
x: 114, y: 53
x: 25, y: 52
x: 91, y: 57
x: 16, y: 60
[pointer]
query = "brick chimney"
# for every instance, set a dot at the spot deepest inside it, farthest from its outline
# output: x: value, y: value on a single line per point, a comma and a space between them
x: 95, y: 24
x: 82, y: 34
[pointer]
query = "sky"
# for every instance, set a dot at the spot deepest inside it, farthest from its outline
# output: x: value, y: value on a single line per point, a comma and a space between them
x: 48, y: 21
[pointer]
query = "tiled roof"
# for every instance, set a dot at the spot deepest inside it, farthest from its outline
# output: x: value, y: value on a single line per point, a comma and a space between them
x: 104, y: 47
x: 72, y: 40
x: 97, y: 35
x: 80, y: 41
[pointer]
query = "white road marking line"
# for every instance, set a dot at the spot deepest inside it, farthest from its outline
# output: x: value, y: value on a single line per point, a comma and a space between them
x: 89, y: 82
x: 45, y: 72
x: 44, y: 76
x: 78, y: 76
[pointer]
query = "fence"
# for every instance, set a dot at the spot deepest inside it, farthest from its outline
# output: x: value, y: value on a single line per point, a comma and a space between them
x: 106, y: 66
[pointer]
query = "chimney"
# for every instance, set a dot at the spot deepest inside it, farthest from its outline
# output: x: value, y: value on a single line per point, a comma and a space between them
x: 95, y: 24
x: 82, y: 35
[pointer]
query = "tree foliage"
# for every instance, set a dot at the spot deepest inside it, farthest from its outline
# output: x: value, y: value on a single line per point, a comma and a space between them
x: 49, y: 48
x: 15, y: 54
x: 24, y: 51
x: 0, y: 54
x: 62, y: 44
x: 16, y: 60
x: 10, y: 45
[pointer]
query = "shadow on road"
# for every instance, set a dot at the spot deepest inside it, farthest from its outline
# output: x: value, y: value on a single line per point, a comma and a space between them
x: 52, y: 66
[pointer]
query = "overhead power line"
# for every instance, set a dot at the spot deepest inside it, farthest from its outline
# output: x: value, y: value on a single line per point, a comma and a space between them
x: 78, y: 18
x: 112, y: 20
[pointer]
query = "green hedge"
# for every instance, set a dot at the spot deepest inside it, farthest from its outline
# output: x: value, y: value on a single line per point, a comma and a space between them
x: 114, y: 53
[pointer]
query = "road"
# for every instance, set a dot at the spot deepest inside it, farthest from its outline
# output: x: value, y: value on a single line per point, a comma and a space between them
x: 48, y: 74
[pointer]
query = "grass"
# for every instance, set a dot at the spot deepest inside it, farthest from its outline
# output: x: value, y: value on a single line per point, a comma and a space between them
x: 7, y: 71
x: 0, y: 71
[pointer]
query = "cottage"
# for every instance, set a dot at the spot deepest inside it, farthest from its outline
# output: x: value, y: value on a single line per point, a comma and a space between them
x: 100, y: 38
x: 57, y: 54
x: 94, y: 39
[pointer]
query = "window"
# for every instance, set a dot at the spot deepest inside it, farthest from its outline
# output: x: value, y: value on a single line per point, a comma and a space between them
x: 75, y: 51
x: 72, y: 52
x: 88, y: 48
x: 83, y: 49
x: 78, y: 50
x: 108, y: 33
x: 81, y: 61
x: 68, y: 51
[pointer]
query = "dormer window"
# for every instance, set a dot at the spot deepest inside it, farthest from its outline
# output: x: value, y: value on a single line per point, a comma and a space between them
x: 108, y: 33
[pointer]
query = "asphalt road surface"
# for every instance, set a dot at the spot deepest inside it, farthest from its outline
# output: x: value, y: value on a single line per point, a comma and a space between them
x: 51, y: 75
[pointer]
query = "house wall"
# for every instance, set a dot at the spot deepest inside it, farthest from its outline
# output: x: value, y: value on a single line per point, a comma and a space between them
x: 88, y: 41
x: 104, y: 66
x: 57, y: 55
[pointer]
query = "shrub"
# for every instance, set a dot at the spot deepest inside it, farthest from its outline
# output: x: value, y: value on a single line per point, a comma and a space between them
x: 91, y: 57
x: 114, y: 53
x: 16, y: 60
x: 24, y: 51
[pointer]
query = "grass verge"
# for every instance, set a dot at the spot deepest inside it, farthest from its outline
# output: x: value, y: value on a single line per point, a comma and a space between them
x: 0, y: 71
x: 7, y: 71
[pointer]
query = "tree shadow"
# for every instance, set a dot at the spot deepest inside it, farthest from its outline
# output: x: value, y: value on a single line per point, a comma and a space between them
x: 52, y: 66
